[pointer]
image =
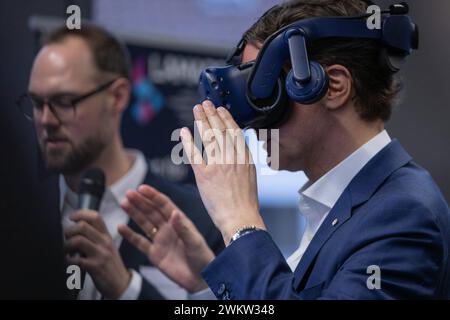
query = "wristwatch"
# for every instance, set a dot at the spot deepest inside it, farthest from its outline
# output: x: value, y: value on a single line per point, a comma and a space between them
x: 242, y: 232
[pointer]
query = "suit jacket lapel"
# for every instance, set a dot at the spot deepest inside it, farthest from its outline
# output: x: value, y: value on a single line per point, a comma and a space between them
x: 131, y: 256
x: 337, y: 216
x: 360, y: 189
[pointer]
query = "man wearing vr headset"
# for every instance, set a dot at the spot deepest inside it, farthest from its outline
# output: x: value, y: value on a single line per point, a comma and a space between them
x: 377, y: 224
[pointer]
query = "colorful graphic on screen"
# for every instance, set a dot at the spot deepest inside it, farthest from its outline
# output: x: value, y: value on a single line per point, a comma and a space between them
x: 147, y: 100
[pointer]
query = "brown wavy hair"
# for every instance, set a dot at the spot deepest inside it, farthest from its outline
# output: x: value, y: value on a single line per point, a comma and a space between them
x: 375, y: 85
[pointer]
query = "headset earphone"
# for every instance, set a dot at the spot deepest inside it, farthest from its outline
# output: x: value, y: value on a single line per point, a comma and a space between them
x: 256, y: 93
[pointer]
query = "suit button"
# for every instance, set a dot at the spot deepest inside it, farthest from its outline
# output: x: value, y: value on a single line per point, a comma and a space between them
x: 221, y: 289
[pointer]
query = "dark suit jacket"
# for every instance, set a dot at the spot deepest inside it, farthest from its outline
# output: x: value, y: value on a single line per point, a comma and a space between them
x: 391, y: 215
x: 187, y: 198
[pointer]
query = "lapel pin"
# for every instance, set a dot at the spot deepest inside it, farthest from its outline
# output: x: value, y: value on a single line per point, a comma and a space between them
x: 335, y: 221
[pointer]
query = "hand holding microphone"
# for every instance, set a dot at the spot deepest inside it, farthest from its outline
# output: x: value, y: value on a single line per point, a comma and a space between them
x: 90, y: 193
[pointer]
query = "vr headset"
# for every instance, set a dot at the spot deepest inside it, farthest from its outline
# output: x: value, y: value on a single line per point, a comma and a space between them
x: 256, y: 93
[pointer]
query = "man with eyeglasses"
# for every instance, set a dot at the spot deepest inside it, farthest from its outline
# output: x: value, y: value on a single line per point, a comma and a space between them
x: 78, y: 89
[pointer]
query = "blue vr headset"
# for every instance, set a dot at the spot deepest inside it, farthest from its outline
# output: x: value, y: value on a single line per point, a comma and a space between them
x: 256, y: 93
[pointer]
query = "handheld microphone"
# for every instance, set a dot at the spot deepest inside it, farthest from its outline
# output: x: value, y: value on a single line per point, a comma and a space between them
x: 92, y: 187
x: 90, y: 193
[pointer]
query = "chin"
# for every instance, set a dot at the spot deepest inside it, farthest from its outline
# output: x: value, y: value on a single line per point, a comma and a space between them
x: 284, y: 163
x: 56, y: 160
x: 55, y: 164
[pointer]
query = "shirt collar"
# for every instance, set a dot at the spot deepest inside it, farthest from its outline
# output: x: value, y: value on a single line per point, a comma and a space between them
x: 116, y: 192
x: 330, y: 186
x: 133, y: 178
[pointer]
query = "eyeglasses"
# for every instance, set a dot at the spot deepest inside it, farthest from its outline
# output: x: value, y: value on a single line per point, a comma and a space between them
x: 61, y: 105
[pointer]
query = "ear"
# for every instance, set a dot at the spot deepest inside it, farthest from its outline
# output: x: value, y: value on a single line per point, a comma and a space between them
x: 120, y: 93
x: 340, y: 86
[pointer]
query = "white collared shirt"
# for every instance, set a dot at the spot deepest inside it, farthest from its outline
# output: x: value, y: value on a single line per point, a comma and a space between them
x: 113, y: 215
x: 317, y: 199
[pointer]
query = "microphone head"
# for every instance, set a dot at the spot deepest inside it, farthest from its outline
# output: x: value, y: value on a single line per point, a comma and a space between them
x: 93, y: 182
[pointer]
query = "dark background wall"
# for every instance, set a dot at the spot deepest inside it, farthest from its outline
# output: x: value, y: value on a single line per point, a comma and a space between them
x: 18, y: 44
x: 421, y: 121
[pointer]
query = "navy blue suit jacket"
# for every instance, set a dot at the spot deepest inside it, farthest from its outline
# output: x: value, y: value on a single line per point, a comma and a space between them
x: 392, y: 215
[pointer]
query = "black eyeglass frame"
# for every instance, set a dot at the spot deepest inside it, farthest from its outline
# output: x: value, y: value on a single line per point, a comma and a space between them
x: 73, y: 102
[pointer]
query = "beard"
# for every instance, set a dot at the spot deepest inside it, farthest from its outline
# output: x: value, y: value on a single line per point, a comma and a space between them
x: 73, y: 159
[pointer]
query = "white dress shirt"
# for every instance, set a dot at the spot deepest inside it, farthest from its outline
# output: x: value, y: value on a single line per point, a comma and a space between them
x: 113, y: 215
x: 317, y: 199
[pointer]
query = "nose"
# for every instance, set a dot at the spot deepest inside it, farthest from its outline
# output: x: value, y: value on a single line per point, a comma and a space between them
x: 47, y: 117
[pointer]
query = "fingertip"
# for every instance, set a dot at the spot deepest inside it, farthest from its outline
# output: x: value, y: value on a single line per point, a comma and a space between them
x: 175, y: 220
x: 222, y: 110
x: 146, y: 193
x: 198, y: 109
x: 145, y: 188
x: 174, y: 214
x: 209, y: 107
x: 74, y: 216
x: 124, y: 203
x: 122, y: 228
x: 177, y: 213
x: 88, y: 213
x: 184, y: 132
x: 207, y: 103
